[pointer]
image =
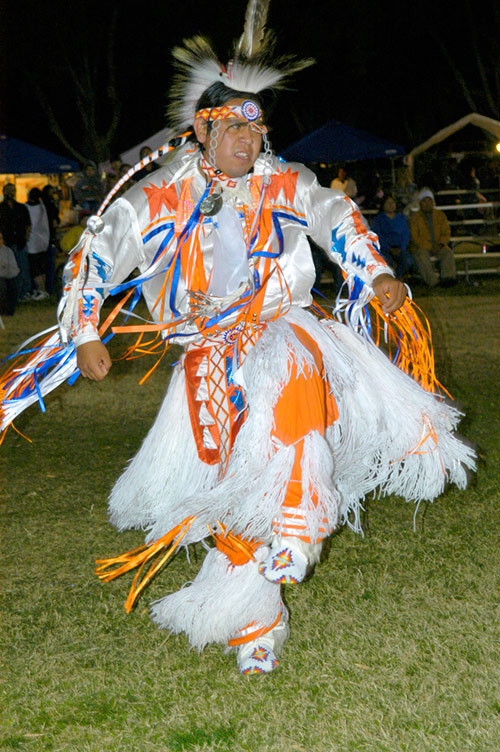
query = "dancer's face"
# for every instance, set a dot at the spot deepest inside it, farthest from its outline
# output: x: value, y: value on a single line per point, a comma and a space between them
x: 238, y: 144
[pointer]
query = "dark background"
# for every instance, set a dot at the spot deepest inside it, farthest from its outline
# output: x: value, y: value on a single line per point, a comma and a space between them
x: 399, y: 70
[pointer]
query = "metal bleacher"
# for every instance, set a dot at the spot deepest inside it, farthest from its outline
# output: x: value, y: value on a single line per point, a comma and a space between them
x: 475, y: 230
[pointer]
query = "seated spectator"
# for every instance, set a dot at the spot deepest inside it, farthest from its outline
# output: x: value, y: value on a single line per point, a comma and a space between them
x: 405, y: 191
x: 430, y: 235
x: 9, y: 270
x: 393, y: 231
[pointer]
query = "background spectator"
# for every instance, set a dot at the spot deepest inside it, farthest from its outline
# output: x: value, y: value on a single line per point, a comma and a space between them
x: 89, y: 189
x: 123, y: 171
x: 38, y: 244
x: 344, y: 183
x: 393, y: 231
x: 148, y: 169
x: 113, y: 175
x: 15, y: 226
x: 430, y: 235
x: 51, y: 203
x: 405, y: 191
x: 9, y: 271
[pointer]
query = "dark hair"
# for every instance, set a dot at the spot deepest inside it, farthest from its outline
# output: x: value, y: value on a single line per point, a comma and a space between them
x: 386, y: 197
x: 35, y: 194
x: 218, y: 94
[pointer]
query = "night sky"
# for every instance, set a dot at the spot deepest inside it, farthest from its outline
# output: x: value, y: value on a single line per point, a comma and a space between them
x: 395, y: 69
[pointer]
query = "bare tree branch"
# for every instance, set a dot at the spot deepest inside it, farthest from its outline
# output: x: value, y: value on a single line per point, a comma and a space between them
x: 89, y: 76
x: 478, y: 55
x: 111, y: 89
x: 53, y: 122
x: 456, y: 72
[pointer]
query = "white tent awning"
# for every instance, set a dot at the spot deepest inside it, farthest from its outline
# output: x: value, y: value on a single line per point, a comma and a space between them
x: 481, y: 121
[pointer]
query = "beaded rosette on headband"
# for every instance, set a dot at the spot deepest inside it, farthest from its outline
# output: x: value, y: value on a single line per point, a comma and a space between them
x: 248, y: 112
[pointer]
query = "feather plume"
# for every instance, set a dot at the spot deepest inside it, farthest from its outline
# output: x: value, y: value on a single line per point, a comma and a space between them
x: 254, y: 67
x: 197, y: 69
x: 254, y: 30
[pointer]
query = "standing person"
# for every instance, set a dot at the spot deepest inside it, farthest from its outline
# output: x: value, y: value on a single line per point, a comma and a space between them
x: 9, y: 271
x: 430, y: 235
x: 52, y: 208
x: 393, y: 233
x: 38, y: 244
x: 281, y: 418
x: 15, y: 226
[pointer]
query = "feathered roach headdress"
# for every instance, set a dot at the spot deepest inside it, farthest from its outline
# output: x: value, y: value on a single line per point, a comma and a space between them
x: 252, y: 69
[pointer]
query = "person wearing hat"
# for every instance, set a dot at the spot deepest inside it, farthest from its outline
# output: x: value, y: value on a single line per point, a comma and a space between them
x: 430, y: 236
x: 277, y: 419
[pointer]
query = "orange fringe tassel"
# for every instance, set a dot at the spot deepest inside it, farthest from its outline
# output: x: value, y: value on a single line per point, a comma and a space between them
x: 406, y: 335
x: 141, y: 556
x: 238, y: 550
x: 408, y: 338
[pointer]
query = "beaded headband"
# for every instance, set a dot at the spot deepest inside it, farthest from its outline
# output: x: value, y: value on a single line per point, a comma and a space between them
x: 248, y: 112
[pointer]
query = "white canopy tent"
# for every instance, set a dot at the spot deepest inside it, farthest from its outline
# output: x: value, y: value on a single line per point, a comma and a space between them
x: 481, y: 121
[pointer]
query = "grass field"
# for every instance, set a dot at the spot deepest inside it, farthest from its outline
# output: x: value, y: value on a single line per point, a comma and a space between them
x: 395, y: 643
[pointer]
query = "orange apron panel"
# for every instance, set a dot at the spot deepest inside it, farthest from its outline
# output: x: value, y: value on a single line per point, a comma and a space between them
x: 304, y: 405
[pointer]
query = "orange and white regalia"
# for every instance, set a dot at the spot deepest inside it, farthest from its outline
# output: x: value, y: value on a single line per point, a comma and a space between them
x: 277, y: 420
x: 276, y: 423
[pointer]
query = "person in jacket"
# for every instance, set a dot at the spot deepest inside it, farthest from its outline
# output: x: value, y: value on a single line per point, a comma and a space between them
x: 15, y: 226
x: 393, y: 232
x: 430, y: 236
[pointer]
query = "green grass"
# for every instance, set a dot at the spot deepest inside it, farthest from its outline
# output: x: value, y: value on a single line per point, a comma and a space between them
x: 394, y: 644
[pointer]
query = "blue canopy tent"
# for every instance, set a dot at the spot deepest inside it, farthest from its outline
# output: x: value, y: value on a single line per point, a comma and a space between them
x: 337, y: 142
x: 20, y: 158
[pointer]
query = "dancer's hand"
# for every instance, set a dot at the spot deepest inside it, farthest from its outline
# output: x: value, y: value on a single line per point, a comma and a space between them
x: 93, y: 360
x: 390, y: 292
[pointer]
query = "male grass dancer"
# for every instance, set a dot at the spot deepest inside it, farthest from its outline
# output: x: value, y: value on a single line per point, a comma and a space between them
x: 276, y: 424
x: 256, y: 402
